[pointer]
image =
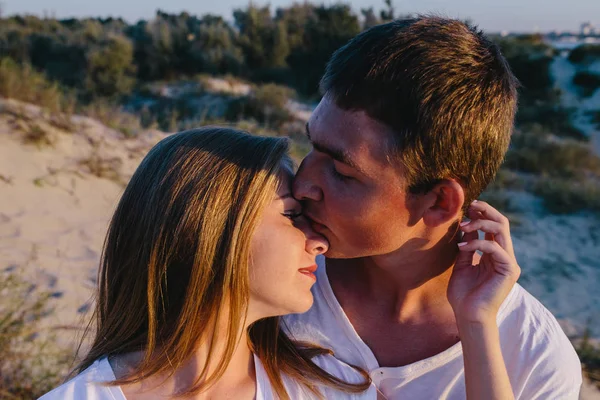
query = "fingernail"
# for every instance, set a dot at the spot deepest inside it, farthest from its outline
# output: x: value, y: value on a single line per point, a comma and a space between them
x: 461, y: 244
x: 465, y: 223
x: 474, y: 201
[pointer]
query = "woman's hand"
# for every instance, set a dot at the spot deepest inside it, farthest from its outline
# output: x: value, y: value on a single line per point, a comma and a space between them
x: 476, y: 292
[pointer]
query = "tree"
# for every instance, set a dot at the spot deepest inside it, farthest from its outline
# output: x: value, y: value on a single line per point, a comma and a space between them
x: 329, y: 28
x: 110, y: 70
x: 387, y: 15
x: 215, y: 47
x: 370, y: 19
x: 257, y: 34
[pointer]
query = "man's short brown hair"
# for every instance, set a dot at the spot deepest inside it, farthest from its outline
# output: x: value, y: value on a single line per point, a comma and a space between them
x: 444, y: 88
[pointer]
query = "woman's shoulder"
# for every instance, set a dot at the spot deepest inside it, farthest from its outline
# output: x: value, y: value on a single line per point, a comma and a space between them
x: 88, y: 385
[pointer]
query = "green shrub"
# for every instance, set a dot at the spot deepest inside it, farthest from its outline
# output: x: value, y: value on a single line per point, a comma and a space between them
x: 500, y: 200
x: 550, y: 118
x: 529, y: 57
x: 587, y: 81
x: 113, y: 116
x: 586, y: 53
x: 590, y: 358
x: 267, y: 104
x: 110, y: 70
x: 21, y: 82
x: 539, y: 154
x: 31, y: 363
x: 596, y: 118
x: 506, y: 180
x: 563, y: 196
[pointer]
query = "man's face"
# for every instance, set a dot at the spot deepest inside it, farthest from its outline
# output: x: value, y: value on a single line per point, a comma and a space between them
x: 353, y: 194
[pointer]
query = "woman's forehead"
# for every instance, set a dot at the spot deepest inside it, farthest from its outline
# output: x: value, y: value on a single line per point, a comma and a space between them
x: 286, y: 177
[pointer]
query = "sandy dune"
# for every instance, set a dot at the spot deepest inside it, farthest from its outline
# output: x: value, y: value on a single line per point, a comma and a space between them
x: 56, y: 201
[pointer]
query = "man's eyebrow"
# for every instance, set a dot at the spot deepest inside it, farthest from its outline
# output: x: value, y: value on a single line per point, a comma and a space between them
x: 337, y: 154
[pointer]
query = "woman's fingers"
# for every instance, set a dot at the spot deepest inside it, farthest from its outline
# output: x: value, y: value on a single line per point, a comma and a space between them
x: 486, y: 218
x: 494, y: 231
x: 488, y: 212
x: 503, y: 262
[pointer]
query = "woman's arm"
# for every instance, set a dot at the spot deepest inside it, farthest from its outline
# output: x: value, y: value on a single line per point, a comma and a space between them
x: 476, y: 291
x: 485, y: 372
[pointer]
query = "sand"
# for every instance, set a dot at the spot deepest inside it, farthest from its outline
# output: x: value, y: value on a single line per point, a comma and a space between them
x: 57, y: 200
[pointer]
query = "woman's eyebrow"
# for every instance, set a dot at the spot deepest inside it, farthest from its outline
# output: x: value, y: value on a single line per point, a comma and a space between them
x: 285, y: 196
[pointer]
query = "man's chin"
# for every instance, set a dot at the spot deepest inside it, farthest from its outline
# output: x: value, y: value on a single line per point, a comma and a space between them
x: 332, y: 253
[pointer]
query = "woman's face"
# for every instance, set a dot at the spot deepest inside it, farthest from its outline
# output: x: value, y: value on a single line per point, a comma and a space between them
x: 283, y: 252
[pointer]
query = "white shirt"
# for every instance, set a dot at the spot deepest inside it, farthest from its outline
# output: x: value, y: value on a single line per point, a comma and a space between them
x: 88, y: 384
x: 540, y: 360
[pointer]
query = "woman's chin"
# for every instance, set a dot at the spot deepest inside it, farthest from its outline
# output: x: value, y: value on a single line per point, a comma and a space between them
x: 305, y: 306
x: 300, y: 305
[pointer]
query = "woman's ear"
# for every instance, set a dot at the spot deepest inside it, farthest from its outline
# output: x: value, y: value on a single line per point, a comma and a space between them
x: 444, y: 203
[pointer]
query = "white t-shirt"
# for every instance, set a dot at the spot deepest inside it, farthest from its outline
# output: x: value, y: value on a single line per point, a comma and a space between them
x: 540, y: 360
x: 88, y: 384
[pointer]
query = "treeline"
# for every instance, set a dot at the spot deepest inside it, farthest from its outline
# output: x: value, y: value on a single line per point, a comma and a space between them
x: 107, y: 57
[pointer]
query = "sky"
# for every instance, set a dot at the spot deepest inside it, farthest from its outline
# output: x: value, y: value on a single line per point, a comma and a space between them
x: 490, y: 15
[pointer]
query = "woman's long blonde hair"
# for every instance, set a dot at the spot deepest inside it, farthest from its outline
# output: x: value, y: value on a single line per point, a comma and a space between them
x: 177, y: 253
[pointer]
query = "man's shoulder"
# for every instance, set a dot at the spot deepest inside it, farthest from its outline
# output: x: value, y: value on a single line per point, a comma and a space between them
x: 536, y: 349
x: 525, y: 314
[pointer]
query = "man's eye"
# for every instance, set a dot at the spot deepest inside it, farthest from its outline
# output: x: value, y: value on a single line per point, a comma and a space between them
x: 340, y: 176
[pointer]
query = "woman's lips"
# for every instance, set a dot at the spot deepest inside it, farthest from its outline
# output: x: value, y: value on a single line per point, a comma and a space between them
x: 309, y: 271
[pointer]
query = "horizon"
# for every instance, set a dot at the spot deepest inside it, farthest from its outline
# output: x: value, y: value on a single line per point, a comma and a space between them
x: 536, y: 16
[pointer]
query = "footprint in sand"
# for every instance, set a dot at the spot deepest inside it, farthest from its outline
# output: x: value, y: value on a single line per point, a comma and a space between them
x: 84, y: 308
x: 47, y: 279
x: 10, y: 268
x: 9, y: 233
x: 4, y: 218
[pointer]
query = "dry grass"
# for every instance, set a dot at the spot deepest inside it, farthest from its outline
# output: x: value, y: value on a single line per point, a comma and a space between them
x: 22, y: 82
x: 37, y: 136
x: 105, y: 168
x: 589, y: 354
x: 31, y: 363
x: 114, y: 117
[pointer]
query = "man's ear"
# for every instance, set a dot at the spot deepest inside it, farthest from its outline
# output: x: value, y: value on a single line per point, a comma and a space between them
x: 444, y: 203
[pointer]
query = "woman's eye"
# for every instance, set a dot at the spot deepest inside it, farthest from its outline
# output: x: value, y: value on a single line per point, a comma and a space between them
x: 293, y: 215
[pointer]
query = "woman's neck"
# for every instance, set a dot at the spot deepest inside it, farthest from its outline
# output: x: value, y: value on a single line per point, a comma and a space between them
x: 238, y: 380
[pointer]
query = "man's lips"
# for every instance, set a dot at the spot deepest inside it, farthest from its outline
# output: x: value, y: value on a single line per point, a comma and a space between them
x: 314, y: 221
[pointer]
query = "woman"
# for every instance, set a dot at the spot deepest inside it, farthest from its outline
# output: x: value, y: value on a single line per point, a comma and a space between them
x: 206, y: 249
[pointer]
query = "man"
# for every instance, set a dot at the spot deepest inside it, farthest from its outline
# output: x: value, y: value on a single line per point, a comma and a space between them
x: 415, y: 120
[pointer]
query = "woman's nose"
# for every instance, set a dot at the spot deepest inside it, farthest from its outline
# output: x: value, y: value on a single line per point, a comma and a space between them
x: 315, y: 243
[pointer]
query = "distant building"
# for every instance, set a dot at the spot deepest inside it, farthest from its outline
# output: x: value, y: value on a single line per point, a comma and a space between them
x: 587, y: 29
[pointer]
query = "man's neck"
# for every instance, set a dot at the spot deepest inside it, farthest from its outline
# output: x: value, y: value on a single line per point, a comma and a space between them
x: 399, y: 298
x: 405, y: 284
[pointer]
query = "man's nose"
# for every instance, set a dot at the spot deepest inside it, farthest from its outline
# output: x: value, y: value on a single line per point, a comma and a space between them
x: 305, y: 185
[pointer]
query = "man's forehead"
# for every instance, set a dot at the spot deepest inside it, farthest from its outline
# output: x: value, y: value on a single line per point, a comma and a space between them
x: 350, y: 131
